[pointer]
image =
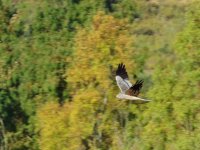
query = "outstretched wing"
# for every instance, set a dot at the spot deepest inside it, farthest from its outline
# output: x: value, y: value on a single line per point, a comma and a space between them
x: 134, y: 90
x: 122, y: 78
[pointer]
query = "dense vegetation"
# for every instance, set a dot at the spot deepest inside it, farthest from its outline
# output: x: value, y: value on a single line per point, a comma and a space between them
x: 57, y: 68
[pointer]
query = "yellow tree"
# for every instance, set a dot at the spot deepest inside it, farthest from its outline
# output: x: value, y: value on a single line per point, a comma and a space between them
x: 98, y: 50
x: 52, y: 126
x: 93, y: 118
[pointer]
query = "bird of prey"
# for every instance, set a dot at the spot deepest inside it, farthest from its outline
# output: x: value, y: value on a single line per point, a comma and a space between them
x: 128, y: 90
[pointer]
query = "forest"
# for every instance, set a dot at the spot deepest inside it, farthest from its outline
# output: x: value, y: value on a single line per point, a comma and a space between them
x: 58, y: 60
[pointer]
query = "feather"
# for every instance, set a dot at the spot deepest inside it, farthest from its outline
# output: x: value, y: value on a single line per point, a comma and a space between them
x: 133, y: 98
x: 122, y: 84
x: 121, y: 71
x: 134, y: 90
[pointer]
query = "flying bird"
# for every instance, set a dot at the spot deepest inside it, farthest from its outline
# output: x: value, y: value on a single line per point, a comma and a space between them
x: 128, y: 90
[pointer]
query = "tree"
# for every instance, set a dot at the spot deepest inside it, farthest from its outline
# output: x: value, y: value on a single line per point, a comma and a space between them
x: 172, y: 120
x: 95, y: 117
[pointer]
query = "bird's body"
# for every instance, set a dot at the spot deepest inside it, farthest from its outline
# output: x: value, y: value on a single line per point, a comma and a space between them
x: 128, y: 90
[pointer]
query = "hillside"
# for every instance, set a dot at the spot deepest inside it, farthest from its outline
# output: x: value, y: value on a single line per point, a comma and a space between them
x: 57, y: 74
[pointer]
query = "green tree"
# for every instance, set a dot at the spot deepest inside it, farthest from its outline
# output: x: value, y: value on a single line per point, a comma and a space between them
x: 172, y: 119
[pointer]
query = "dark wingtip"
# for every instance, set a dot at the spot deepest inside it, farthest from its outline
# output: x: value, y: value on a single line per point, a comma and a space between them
x: 136, y: 87
x: 121, y: 70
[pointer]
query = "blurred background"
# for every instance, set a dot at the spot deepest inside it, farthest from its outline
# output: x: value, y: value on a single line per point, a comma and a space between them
x: 57, y: 74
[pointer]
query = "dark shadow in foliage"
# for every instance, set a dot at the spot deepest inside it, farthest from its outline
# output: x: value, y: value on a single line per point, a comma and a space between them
x: 12, y: 112
x: 60, y: 89
x: 109, y: 3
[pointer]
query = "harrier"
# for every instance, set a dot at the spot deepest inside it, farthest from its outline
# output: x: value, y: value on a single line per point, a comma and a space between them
x: 128, y: 90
